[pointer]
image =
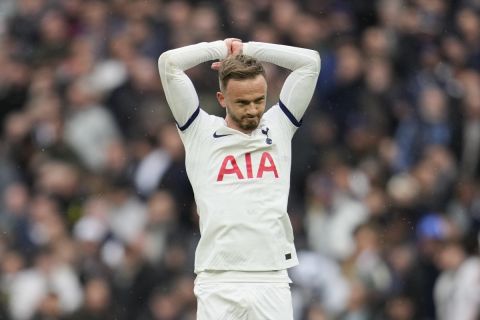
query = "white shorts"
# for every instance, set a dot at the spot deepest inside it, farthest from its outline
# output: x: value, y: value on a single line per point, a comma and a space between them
x: 243, y: 301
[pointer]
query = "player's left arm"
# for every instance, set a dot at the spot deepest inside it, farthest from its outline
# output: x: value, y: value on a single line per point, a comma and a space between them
x: 297, y: 91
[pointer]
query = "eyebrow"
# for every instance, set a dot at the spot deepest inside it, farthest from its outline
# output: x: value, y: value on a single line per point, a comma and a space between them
x: 245, y: 100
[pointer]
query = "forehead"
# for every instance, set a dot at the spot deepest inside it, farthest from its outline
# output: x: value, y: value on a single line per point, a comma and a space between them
x: 246, y: 87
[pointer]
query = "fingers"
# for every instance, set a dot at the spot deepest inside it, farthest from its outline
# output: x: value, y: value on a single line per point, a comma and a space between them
x: 237, y: 47
x: 232, y: 45
x: 216, y: 65
x: 230, y: 40
x: 228, y: 43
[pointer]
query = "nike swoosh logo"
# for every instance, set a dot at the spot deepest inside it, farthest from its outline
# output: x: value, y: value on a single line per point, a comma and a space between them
x: 215, y: 135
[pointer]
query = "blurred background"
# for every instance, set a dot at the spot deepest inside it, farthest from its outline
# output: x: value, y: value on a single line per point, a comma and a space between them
x: 97, y: 218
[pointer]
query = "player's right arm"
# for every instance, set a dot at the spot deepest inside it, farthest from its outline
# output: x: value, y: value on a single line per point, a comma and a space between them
x: 179, y: 90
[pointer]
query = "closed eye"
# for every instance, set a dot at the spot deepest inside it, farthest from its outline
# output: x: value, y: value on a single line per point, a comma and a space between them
x: 247, y: 102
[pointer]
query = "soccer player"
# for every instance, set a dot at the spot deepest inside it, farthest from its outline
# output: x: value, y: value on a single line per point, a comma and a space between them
x: 239, y: 168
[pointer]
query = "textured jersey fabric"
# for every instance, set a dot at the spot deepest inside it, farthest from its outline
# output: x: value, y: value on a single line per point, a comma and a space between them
x: 241, y: 181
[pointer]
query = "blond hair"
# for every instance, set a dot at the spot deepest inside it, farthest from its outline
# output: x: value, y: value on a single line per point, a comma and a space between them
x: 239, y: 67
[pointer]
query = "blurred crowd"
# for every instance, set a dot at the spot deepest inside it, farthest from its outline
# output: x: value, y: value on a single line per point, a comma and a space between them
x: 97, y: 217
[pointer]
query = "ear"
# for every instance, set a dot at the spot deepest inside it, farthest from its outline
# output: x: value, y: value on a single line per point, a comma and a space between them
x: 221, y: 99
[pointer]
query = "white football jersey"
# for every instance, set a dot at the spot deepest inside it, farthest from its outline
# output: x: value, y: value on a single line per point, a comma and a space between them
x: 241, y: 184
x: 240, y: 181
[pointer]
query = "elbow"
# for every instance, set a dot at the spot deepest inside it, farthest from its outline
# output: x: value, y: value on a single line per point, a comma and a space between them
x: 167, y: 63
x: 311, y: 62
x: 316, y: 62
x: 164, y: 60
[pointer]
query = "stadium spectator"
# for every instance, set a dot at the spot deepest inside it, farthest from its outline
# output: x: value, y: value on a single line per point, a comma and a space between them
x: 391, y: 142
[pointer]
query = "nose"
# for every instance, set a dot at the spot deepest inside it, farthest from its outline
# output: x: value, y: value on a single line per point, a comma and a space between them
x: 251, y: 109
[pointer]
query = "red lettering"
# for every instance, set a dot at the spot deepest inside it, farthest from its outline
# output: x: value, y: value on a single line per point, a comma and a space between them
x: 264, y: 167
x: 248, y: 164
x: 234, y: 169
x: 229, y: 166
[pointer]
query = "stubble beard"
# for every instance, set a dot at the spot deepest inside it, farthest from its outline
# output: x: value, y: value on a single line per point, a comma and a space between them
x: 246, y: 123
x: 249, y: 123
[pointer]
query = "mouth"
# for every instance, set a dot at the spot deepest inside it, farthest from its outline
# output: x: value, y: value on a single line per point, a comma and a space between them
x: 250, y: 122
x: 251, y: 119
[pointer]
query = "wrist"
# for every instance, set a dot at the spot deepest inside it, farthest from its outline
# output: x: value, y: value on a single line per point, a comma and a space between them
x: 220, y: 47
x: 246, y: 48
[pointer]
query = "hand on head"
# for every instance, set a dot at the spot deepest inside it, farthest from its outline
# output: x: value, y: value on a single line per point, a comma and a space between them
x: 234, y: 47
